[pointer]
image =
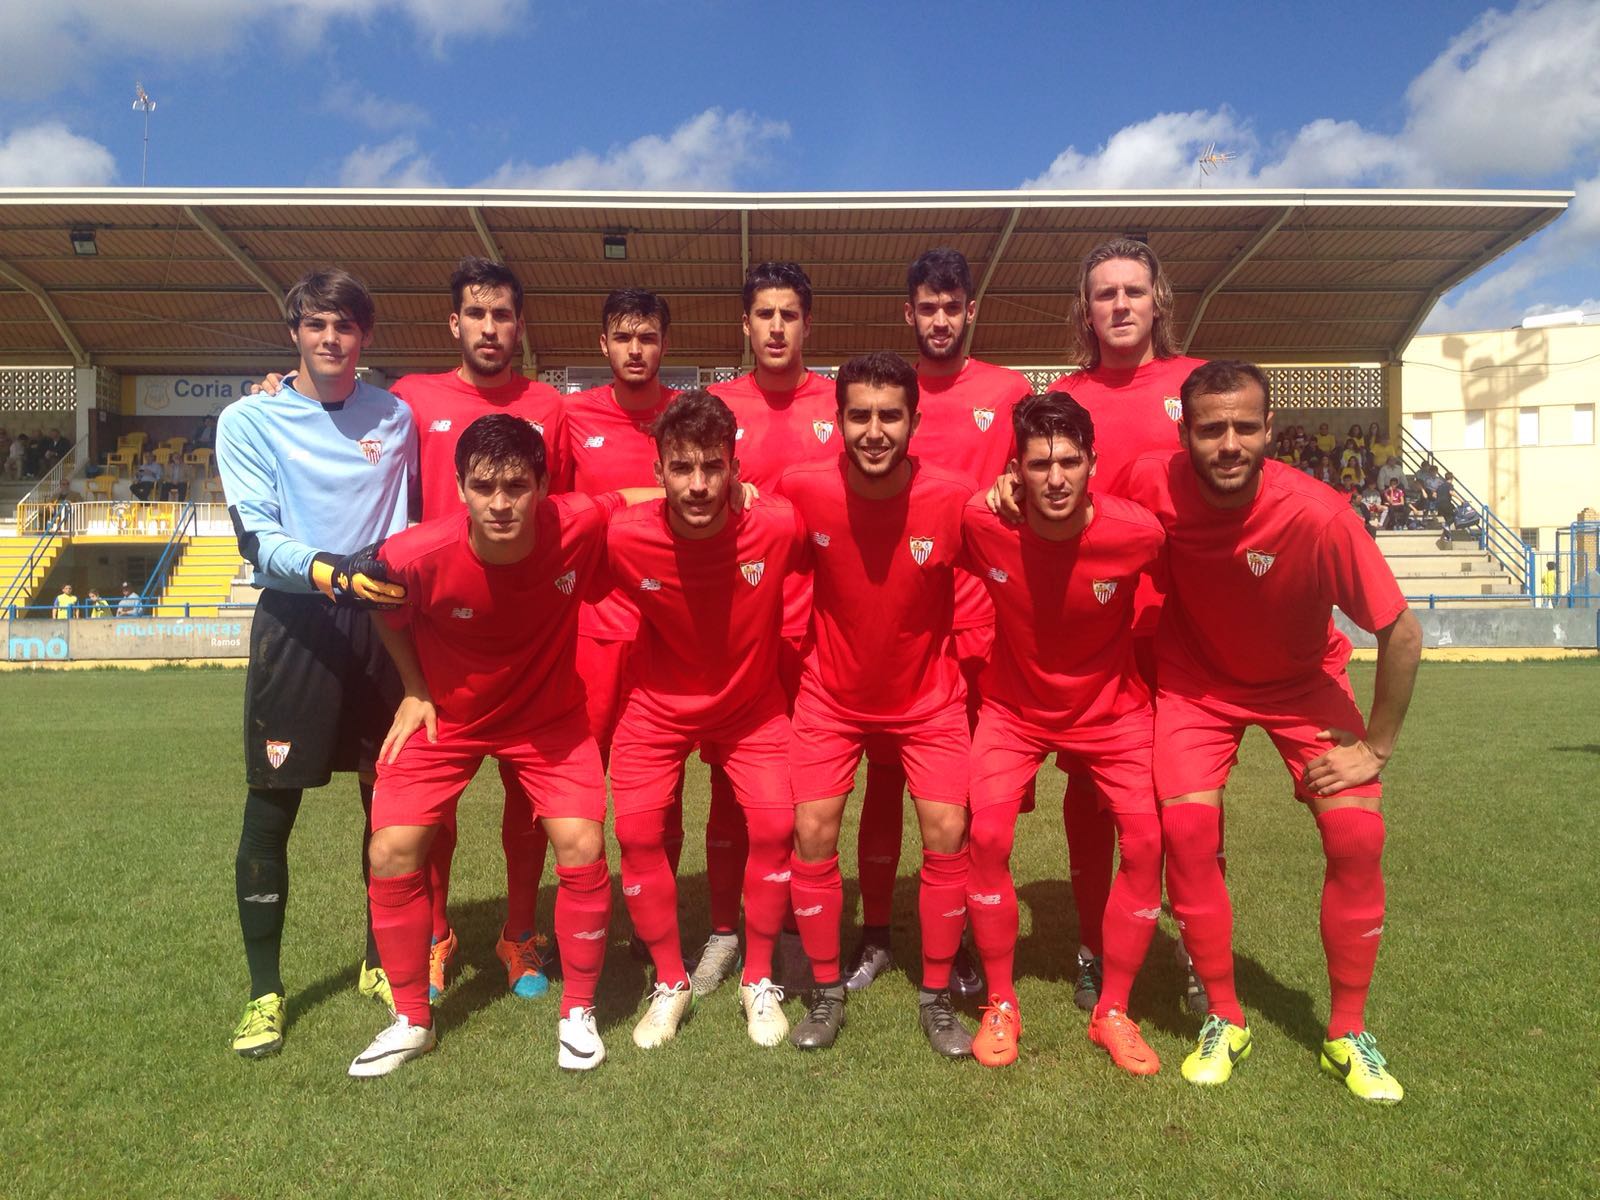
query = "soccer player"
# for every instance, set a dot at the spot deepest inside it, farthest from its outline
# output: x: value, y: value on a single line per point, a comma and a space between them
x: 885, y: 530
x: 1259, y: 556
x: 785, y: 415
x: 964, y: 426
x: 310, y: 475
x: 486, y: 648
x: 1063, y: 680
x: 708, y: 580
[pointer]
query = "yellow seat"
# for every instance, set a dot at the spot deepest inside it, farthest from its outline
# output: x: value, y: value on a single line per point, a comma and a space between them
x: 101, y: 487
x: 199, y: 458
x: 176, y: 443
x: 163, y: 454
x: 132, y: 441
x: 120, y: 461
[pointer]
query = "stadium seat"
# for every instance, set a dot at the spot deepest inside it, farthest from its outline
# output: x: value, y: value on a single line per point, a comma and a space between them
x: 199, y: 458
x: 121, y: 461
x: 102, y: 487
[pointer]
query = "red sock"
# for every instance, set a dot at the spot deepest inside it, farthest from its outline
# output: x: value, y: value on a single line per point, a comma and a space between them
x: 583, y: 914
x: 942, y: 908
x: 992, y: 896
x: 878, y: 843
x: 401, y: 922
x: 1132, y: 909
x: 1352, y: 911
x: 766, y: 886
x: 673, y: 838
x: 727, y: 846
x: 1091, y: 838
x: 440, y: 856
x: 524, y: 842
x: 651, y: 890
x: 817, y: 893
x: 1191, y: 834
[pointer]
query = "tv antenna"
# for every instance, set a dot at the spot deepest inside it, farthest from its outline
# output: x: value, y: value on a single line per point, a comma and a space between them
x: 143, y: 103
x: 1213, y: 158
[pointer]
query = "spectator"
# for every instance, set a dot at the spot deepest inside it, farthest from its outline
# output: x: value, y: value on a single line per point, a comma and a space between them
x: 1327, y: 473
x: 204, y: 437
x: 1372, y: 500
x: 16, y: 456
x: 5, y: 444
x: 94, y: 605
x: 1390, y: 472
x: 145, y: 477
x: 1444, y: 499
x: 173, y: 486
x: 1355, y: 435
x: 1380, y: 446
x: 1350, y: 456
x: 130, y: 605
x: 31, y: 461
x: 1547, y: 585
x: 1359, y: 505
x: 66, y: 603
x: 1397, y: 509
x: 1325, y: 440
x: 60, y: 444
x: 1429, y: 480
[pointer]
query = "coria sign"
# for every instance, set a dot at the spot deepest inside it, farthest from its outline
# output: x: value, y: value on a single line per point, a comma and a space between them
x: 186, y: 395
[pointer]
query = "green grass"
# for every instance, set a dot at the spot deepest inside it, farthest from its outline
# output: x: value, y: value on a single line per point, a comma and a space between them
x: 121, y: 794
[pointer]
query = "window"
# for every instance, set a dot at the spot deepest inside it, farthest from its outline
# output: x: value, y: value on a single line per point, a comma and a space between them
x: 1472, y: 433
x: 1527, y: 427
x: 1583, y: 425
x: 1530, y: 538
x: 1422, y: 429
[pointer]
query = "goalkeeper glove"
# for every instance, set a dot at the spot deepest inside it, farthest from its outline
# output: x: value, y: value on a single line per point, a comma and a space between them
x: 358, y: 580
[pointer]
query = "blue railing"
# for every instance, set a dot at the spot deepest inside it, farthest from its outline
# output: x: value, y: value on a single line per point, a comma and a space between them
x: 181, y: 528
x: 24, y: 574
x: 145, y: 612
x: 1494, y: 537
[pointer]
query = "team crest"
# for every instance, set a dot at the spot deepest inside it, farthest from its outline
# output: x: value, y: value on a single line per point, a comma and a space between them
x: 1174, y: 407
x: 984, y: 417
x: 1260, y: 561
x: 565, y: 583
x: 823, y: 430
x: 753, y: 571
x: 920, y: 549
x: 276, y: 753
x: 372, y: 448
x: 1104, y: 589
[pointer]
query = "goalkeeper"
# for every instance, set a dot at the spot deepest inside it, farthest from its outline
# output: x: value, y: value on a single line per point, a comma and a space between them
x: 311, y: 474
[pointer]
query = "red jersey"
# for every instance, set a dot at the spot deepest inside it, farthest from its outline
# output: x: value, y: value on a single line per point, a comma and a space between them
x: 1063, y: 644
x: 966, y: 429
x: 445, y: 404
x: 710, y: 609
x: 1135, y: 413
x: 779, y: 430
x: 884, y: 573
x: 609, y: 448
x: 1249, y: 613
x: 497, y: 642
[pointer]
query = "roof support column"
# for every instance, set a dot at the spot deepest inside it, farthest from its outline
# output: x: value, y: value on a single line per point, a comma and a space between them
x: 745, y: 361
x: 1262, y: 236
x: 236, y: 252
x: 1000, y: 244
x: 80, y: 356
x: 530, y: 360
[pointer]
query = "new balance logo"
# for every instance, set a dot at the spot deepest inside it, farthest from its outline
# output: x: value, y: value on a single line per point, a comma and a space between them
x: 262, y: 898
x: 808, y: 912
x: 588, y: 935
x: 632, y: 889
x: 277, y: 752
x: 371, y: 449
x: 1260, y: 561
x: 461, y: 614
x: 956, y: 912
x: 594, y: 443
x: 1149, y: 914
x: 987, y: 899
x: 440, y: 426
x: 821, y: 539
x: 565, y: 583
x: 649, y: 585
x: 738, y: 434
x: 999, y: 576
x: 776, y: 877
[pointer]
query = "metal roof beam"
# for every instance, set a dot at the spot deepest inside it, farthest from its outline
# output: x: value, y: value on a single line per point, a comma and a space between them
x: 1246, y: 253
x: 80, y: 356
x: 236, y: 252
x: 995, y: 255
x: 480, y: 222
x: 745, y: 361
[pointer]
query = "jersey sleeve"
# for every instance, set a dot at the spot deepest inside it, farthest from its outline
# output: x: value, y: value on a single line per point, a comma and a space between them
x: 800, y: 562
x: 399, y: 571
x: 1356, y: 576
x: 250, y: 484
x: 558, y: 452
x: 966, y: 560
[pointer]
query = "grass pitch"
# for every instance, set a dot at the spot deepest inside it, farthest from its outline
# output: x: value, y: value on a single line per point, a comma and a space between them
x: 122, y: 795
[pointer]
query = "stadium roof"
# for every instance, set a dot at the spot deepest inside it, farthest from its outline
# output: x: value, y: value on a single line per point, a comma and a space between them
x: 192, y: 279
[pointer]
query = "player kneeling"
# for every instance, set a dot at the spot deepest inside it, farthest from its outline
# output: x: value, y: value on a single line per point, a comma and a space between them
x: 1063, y: 679
x: 486, y: 649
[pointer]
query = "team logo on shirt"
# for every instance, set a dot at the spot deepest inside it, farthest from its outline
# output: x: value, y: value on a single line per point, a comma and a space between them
x: 999, y: 576
x: 823, y: 430
x: 649, y: 585
x: 753, y: 571
x: 1104, y: 589
x: 565, y: 583
x: 1260, y: 561
x: 461, y: 614
x: 1174, y: 407
x: 276, y: 753
x: 372, y: 448
x: 537, y: 427
x: 440, y: 426
x: 595, y: 442
x: 984, y: 417
x: 821, y: 539
x: 920, y: 549
x: 632, y: 889
x: 738, y: 434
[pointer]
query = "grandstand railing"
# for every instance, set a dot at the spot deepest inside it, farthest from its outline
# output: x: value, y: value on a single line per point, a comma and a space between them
x: 49, y: 485
x: 157, y: 583
x: 121, y: 518
x: 25, y: 573
x: 1577, y: 559
x: 1494, y: 537
x: 144, y: 612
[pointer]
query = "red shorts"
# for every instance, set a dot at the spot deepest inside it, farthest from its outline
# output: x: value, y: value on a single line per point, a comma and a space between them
x: 1113, y: 755
x: 647, y: 757
x: 1197, y: 741
x: 826, y: 749
x: 600, y: 665
x: 557, y: 766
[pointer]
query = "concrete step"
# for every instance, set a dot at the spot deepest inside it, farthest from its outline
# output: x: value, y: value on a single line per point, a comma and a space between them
x: 1450, y: 585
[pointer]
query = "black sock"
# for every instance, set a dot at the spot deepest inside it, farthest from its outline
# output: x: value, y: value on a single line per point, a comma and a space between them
x: 261, y: 882
x: 875, y: 935
x: 366, y: 872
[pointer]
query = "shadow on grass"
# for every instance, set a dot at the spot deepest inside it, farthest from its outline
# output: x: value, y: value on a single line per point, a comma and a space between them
x: 1591, y: 748
x: 301, y: 1003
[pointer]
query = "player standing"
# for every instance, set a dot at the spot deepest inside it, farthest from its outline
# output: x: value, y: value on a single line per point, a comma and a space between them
x: 1063, y: 680
x: 311, y: 474
x: 1259, y: 557
x: 486, y: 647
x: 708, y: 580
x: 885, y: 531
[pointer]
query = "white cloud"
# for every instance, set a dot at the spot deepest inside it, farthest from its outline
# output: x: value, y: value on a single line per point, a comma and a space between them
x: 51, y: 155
x: 46, y: 44
x: 379, y: 113
x: 397, y: 163
x: 705, y: 153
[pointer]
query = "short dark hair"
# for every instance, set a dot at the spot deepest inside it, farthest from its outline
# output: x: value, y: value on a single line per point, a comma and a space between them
x: 778, y: 275
x: 329, y: 289
x: 473, y: 272
x: 696, y: 418
x: 880, y: 368
x: 940, y: 270
x: 500, y: 442
x: 1051, y: 415
x: 1221, y: 376
x: 636, y: 303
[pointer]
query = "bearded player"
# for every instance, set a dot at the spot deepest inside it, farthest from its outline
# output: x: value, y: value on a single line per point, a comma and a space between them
x: 1063, y: 681
x: 1259, y: 557
x: 885, y: 531
x: 707, y: 577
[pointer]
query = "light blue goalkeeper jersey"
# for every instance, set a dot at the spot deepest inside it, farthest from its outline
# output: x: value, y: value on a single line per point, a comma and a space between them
x: 302, y: 477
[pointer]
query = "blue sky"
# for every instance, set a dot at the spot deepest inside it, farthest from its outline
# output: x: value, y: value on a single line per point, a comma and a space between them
x: 703, y: 94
